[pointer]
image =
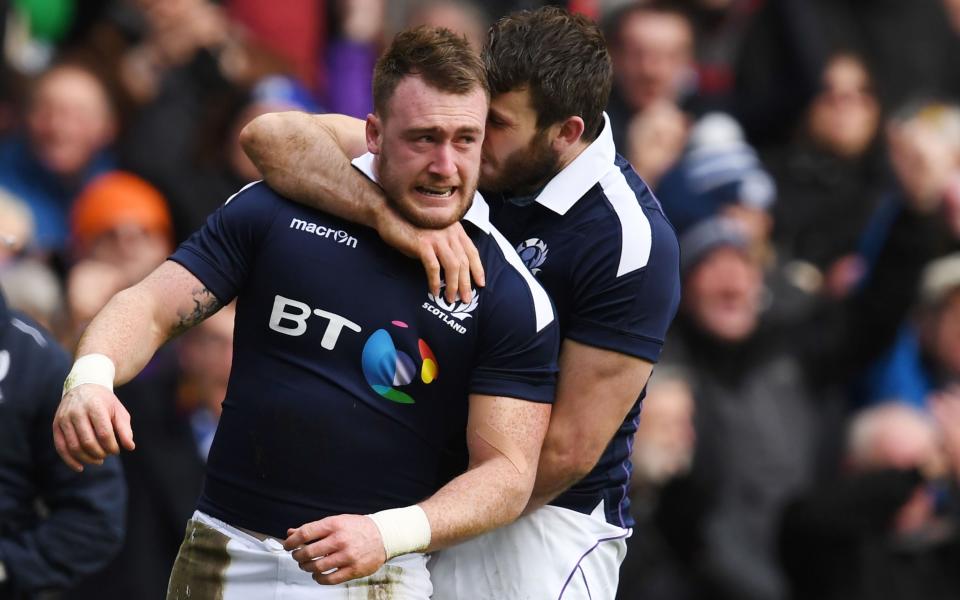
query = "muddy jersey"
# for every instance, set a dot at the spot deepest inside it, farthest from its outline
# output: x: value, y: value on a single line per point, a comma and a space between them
x: 350, y: 382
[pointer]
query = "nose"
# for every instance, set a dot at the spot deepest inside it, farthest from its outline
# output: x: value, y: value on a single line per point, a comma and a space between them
x: 443, y: 163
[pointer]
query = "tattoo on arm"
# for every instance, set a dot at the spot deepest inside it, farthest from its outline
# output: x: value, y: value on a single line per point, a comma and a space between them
x: 204, y: 305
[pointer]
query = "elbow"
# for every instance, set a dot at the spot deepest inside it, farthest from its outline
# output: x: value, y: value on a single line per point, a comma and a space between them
x: 569, y: 461
x: 264, y: 133
x: 252, y: 134
x: 515, y: 498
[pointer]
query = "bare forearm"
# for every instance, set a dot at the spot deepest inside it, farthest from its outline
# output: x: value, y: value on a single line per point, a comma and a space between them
x: 303, y: 159
x: 125, y: 332
x: 483, y: 498
x: 138, y: 320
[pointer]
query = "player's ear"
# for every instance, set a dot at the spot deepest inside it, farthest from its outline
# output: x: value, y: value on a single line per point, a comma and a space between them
x: 374, y: 133
x: 569, y: 133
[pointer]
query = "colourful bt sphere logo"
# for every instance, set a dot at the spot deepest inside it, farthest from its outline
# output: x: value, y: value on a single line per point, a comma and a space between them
x: 387, y: 368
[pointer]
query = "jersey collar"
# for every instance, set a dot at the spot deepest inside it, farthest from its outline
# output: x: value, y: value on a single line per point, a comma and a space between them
x: 478, y: 213
x: 570, y: 184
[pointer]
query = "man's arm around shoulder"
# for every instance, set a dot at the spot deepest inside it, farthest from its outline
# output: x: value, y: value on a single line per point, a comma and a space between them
x: 307, y: 159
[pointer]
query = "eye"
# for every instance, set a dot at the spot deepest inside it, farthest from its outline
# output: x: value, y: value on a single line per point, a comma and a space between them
x: 467, y: 139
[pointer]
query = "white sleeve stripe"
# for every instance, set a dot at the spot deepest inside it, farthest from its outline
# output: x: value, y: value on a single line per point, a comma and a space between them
x: 542, y: 306
x: 636, y: 233
x: 241, y: 190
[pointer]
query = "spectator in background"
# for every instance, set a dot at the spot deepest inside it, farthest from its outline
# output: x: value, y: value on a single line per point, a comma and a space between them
x: 719, y: 174
x: 926, y: 356
x: 69, y: 128
x: 656, y: 138
x: 925, y: 153
x: 910, y: 47
x: 196, y: 69
x: 719, y: 26
x: 121, y: 229
x: 56, y: 525
x: 177, y: 34
x: 830, y: 180
x: 662, y: 454
x: 887, y: 530
x: 766, y: 391
x: 652, y: 49
x: 201, y: 180
x: 460, y: 16
x: 663, y: 447
x: 123, y: 221
x: 779, y: 70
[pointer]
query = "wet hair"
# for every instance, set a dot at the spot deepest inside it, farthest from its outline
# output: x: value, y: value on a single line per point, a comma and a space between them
x: 561, y: 58
x: 443, y: 59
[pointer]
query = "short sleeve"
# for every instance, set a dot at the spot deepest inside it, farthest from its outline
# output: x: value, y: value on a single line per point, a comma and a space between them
x: 514, y: 359
x: 221, y: 253
x: 630, y: 312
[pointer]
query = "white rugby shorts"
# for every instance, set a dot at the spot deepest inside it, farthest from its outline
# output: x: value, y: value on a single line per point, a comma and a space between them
x: 551, y: 554
x: 220, y: 562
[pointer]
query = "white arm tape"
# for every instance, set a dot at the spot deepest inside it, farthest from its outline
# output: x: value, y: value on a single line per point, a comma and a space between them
x: 91, y: 368
x: 403, y: 530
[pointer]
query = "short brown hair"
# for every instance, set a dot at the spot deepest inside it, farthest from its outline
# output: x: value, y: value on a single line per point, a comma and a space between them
x: 560, y: 57
x: 442, y: 58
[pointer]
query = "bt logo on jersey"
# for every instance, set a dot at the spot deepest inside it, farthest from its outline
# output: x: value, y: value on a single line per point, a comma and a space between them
x: 289, y: 317
x: 387, y: 368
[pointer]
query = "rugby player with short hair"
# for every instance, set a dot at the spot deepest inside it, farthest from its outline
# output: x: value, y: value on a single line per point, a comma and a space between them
x: 366, y: 422
x: 591, y: 231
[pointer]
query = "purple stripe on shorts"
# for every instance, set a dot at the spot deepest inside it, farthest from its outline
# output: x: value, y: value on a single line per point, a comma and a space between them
x: 591, y: 549
x: 586, y: 584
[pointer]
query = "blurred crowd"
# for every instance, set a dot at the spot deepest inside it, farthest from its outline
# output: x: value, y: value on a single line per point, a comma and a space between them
x: 801, y: 436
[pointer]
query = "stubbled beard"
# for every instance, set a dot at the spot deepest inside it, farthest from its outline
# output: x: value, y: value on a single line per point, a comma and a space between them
x: 526, y: 171
x: 414, y: 216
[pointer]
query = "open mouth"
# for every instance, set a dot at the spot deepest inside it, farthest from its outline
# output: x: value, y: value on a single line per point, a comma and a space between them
x: 436, y: 192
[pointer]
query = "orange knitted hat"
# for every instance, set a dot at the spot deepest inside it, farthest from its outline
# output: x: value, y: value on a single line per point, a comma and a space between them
x: 116, y: 199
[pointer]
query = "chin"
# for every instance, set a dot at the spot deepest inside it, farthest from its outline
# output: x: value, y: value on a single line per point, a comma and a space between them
x: 433, y: 217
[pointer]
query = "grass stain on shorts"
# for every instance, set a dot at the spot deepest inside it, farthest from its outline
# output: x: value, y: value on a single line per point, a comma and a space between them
x: 198, y: 573
x: 379, y: 586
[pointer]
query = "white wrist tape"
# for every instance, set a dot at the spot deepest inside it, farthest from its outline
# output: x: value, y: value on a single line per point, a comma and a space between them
x: 91, y: 368
x: 403, y: 530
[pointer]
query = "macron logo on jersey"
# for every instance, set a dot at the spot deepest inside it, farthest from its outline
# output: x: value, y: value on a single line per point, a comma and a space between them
x: 453, y: 314
x: 338, y: 235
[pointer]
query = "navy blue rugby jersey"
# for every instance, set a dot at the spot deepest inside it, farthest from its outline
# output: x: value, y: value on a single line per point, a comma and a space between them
x: 598, y: 241
x: 350, y: 382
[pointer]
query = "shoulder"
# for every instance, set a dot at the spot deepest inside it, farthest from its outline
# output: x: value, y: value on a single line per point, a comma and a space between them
x: 624, y: 221
x: 256, y: 194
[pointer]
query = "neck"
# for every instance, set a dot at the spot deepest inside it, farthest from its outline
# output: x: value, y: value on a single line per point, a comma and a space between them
x: 572, y: 153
